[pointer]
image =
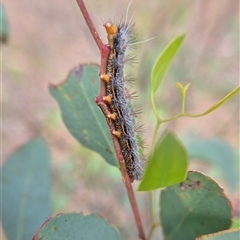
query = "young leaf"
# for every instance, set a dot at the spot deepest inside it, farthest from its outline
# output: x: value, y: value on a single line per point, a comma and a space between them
x: 163, y: 62
x: 193, y: 208
x: 80, y: 113
x: 76, y: 226
x: 182, y: 89
x: 167, y: 166
x: 25, y: 190
x: 224, y: 235
x: 4, y: 29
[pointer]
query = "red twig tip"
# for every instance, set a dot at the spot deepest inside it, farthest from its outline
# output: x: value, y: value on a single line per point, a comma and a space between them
x: 90, y: 23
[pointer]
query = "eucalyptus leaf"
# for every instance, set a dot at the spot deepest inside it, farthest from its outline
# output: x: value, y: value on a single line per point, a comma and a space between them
x: 167, y: 165
x: 80, y: 113
x: 193, y: 208
x: 25, y: 190
x: 163, y: 62
x: 77, y: 226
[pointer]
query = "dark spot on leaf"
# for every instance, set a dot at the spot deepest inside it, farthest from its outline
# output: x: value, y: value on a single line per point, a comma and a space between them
x: 196, y: 185
x: 4, y: 38
x: 54, y: 228
x: 198, y: 233
x: 181, y: 185
x: 56, y: 87
x: 109, y: 150
x: 78, y: 71
x: 93, y: 81
x: 202, y: 223
x: 190, y: 184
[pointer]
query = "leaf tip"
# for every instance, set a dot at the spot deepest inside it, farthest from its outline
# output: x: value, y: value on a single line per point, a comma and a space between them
x: 179, y: 86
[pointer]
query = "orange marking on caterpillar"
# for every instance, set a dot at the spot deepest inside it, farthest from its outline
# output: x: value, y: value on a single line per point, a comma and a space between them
x: 107, y: 99
x: 111, y: 33
x: 105, y: 77
x: 117, y: 134
x: 112, y: 116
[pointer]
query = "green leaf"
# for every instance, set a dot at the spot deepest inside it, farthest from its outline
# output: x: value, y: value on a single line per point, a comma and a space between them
x: 193, y: 208
x: 167, y: 166
x: 180, y: 87
x: 25, y: 190
x: 4, y: 29
x: 163, y: 62
x: 80, y: 113
x: 76, y: 226
x: 224, y: 235
x: 218, y: 153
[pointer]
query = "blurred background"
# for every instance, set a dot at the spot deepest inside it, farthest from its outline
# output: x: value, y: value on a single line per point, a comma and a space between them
x: 49, y: 38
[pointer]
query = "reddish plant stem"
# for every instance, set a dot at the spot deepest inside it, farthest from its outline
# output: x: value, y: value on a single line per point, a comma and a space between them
x: 104, y: 58
x: 123, y: 169
x: 90, y: 23
x: 104, y: 49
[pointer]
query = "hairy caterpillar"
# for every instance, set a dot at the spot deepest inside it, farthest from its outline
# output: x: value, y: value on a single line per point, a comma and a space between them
x: 122, y: 114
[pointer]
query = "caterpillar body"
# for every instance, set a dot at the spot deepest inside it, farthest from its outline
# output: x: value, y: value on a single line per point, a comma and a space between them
x: 122, y: 114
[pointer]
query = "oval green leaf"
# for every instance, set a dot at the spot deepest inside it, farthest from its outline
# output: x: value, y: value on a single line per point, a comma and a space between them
x: 81, y: 115
x: 25, y: 190
x: 224, y: 235
x: 76, y: 226
x: 163, y: 62
x: 193, y: 208
x: 167, y: 166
